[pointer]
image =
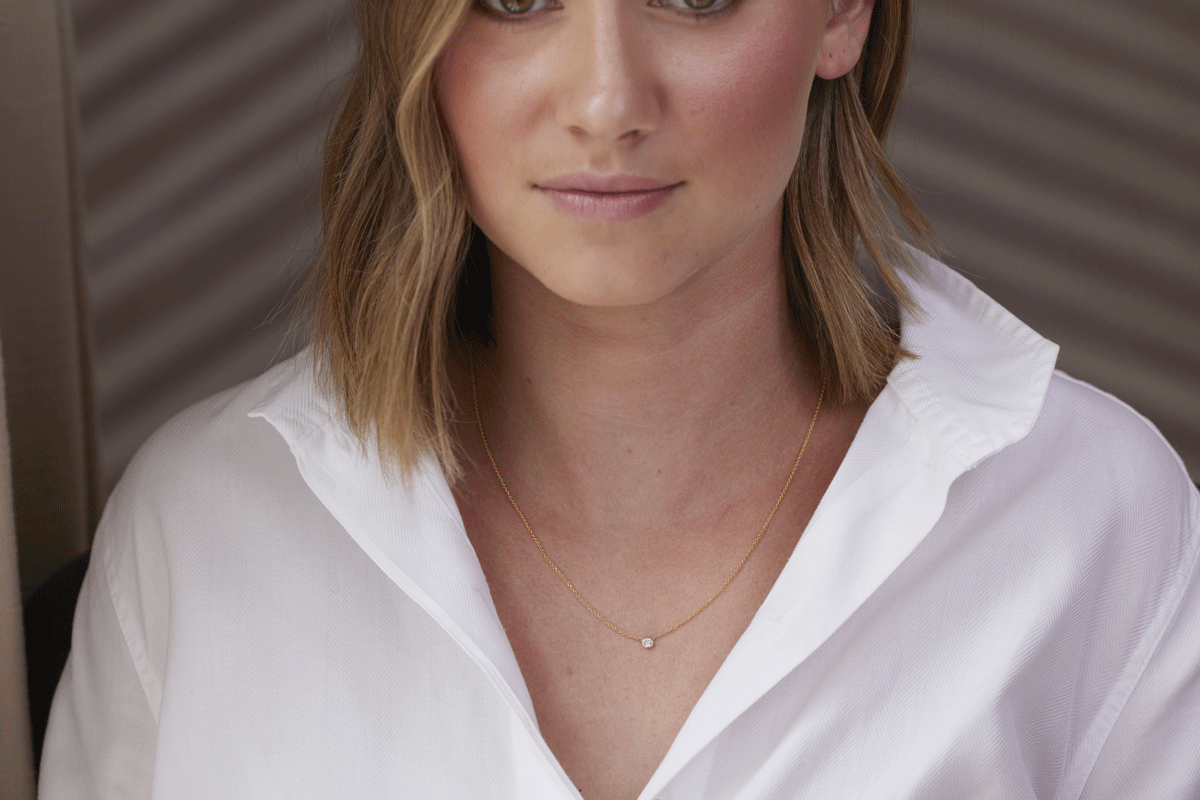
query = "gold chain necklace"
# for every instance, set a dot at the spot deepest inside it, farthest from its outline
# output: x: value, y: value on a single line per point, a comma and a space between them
x: 646, y: 641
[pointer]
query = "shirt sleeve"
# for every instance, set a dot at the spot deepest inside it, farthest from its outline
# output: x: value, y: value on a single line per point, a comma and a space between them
x: 1153, y: 746
x: 100, y: 739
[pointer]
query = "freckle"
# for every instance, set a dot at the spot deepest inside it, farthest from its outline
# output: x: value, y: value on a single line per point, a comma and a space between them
x: 630, y: 451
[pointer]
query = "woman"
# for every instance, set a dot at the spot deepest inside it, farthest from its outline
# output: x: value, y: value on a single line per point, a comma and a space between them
x: 592, y: 352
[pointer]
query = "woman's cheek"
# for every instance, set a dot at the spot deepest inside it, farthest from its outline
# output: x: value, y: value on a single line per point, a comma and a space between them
x: 746, y: 109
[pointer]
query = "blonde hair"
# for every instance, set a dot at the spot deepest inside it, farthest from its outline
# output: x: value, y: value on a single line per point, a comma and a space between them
x: 390, y: 294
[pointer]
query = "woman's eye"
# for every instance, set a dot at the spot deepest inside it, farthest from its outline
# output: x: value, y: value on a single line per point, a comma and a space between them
x: 700, y: 7
x: 510, y: 8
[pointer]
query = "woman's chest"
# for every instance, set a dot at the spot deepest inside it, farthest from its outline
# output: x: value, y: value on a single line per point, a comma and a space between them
x: 608, y: 707
x: 616, y: 656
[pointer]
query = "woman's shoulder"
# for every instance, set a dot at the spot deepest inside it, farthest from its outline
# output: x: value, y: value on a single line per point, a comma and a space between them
x: 207, y: 485
x: 1098, y: 436
x: 207, y: 450
x: 1101, y: 481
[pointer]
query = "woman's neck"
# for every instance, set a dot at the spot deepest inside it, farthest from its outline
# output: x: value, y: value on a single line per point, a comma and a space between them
x: 639, y: 420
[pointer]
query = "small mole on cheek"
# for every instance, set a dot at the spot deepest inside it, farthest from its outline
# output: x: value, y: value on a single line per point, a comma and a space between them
x: 629, y: 450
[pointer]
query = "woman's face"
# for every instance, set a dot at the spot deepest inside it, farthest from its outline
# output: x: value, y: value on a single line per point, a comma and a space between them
x: 615, y: 149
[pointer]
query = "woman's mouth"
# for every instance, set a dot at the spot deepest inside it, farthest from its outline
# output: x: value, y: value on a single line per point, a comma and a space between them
x: 606, y: 198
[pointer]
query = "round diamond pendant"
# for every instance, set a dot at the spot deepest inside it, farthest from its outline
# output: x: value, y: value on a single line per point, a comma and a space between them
x: 647, y: 643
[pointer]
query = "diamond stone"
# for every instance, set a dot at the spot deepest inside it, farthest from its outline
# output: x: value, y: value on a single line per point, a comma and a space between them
x: 647, y: 643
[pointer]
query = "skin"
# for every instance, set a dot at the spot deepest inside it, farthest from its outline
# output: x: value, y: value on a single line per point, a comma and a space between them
x: 645, y: 500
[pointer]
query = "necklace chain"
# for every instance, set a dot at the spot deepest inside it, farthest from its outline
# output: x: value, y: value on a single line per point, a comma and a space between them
x: 646, y: 641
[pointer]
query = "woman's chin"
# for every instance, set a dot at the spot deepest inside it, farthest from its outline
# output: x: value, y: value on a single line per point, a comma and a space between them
x: 604, y: 279
x: 612, y: 291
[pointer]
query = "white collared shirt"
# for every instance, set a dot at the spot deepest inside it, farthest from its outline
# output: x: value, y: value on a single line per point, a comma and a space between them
x: 997, y: 597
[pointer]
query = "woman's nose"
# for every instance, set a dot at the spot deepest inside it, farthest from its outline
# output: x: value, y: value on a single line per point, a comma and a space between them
x: 608, y: 87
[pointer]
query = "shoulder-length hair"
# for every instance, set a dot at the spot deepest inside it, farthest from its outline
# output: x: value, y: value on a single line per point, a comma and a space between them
x: 390, y: 293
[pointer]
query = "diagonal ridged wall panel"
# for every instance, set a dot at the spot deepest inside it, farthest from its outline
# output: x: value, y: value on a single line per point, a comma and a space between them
x: 202, y: 125
x: 1056, y: 148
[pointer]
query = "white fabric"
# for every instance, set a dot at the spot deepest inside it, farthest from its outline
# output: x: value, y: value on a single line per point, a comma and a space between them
x: 996, y: 598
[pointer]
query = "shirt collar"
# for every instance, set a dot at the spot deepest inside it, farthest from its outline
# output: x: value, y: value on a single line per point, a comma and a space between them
x: 980, y: 376
x: 977, y: 384
x: 410, y: 528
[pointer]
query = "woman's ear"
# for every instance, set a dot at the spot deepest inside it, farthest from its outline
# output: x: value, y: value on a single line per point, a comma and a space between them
x: 845, y: 33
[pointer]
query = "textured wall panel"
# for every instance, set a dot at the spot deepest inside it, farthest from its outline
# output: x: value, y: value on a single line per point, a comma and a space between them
x: 202, y: 124
x: 1056, y: 147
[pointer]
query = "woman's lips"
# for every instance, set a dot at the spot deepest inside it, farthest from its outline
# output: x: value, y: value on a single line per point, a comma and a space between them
x: 606, y: 198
